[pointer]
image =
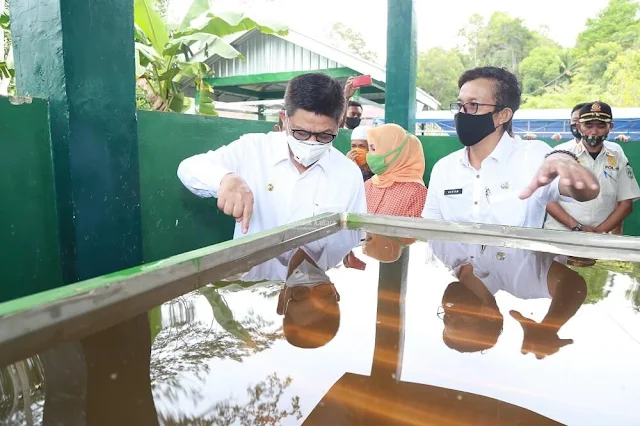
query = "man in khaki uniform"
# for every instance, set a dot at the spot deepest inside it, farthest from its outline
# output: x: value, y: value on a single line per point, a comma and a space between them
x: 618, y: 185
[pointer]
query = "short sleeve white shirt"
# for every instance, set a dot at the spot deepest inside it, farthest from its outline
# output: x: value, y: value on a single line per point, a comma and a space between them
x: 617, y: 183
x: 522, y: 273
x: 281, y: 194
x: 460, y: 193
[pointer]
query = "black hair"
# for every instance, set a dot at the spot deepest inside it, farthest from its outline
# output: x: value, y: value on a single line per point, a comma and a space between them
x: 507, y: 90
x: 578, y: 107
x: 355, y: 104
x: 317, y: 93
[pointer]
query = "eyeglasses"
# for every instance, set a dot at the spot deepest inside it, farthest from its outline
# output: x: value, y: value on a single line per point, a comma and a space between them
x: 305, y: 135
x: 470, y: 107
x: 300, y: 293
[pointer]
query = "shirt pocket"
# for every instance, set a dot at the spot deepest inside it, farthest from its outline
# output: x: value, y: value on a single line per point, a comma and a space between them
x: 508, y: 209
x: 609, y: 181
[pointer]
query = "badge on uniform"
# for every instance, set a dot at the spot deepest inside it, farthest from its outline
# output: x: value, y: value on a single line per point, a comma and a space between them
x: 612, y: 162
x: 453, y: 191
x: 629, y: 171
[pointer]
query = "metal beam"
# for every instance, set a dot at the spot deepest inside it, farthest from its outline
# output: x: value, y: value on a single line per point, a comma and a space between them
x: 580, y: 244
x: 257, y: 94
x: 278, y: 77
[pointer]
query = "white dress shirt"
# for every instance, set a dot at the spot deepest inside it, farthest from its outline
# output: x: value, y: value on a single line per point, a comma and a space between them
x: 281, y: 194
x: 522, y: 273
x: 460, y: 193
x: 617, y: 183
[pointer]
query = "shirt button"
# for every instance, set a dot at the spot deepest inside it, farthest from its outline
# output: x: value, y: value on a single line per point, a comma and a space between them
x: 475, y: 202
x: 478, y: 176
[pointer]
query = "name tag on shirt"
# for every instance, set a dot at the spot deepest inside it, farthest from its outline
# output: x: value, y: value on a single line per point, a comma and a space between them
x: 453, y: 191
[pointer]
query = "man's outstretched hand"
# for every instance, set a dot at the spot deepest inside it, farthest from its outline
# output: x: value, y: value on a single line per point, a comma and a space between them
x: 539, y: 339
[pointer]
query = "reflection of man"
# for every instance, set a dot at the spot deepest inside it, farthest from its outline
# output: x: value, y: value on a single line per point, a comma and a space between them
x: 618, y: 186
x: 359, y: 150
x: 308, y: 300
x: 309, y: 304
x: 471, y: 316
x: 498, y: 178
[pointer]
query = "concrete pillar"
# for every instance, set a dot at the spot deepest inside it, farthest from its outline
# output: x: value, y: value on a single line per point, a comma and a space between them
x: 79, y: 55
x: 402, y: 59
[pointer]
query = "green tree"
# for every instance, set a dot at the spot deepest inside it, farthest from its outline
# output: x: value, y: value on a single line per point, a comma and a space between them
x: 472, y: 33
x: 544, y: 66
x: 565, y: 95
x: 345, y: 37
x: 438, y: 72
x: 619, y: 22
x: 505, y: 42
x: 596, y: 62
x: 623, y: 75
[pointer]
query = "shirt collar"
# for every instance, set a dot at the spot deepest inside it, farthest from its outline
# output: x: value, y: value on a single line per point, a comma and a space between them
x: 500, y: 153
x: 580, y: 149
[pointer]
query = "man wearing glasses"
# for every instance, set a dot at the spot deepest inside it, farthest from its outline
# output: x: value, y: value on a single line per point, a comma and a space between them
x: 268, y: 180
x: 498, y: 178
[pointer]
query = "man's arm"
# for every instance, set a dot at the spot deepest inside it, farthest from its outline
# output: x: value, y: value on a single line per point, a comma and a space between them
x: 202, y: 173
x: 432, y: 203
x: 617, y: 216
x: 576, y: 181
x: 558, y: 213
x: 349, y: 91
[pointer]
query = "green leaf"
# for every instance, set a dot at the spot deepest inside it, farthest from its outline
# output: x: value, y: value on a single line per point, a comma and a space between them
x: 225, y: 23
x: 140, y: 36
x: 198, y: 7
x: 177, y: 103
x: 148, y: 52
x: 169, y: 74
x: 148, y: 20
x: 215, y: 45
x: 204, y: 98
x: 4, y: 20
x: 140, y: 69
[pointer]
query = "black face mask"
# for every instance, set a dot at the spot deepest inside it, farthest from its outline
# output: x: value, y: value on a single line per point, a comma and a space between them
x: 575, y: 132
x: 353, y: 122
x: 472, y: 129
x: 594, y: 141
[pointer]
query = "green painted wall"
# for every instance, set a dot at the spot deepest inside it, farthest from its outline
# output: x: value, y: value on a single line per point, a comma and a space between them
x: 30, y: 251
x: 173, y: 219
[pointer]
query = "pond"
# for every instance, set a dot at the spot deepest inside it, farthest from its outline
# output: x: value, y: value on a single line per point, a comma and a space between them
x: 441, y: 332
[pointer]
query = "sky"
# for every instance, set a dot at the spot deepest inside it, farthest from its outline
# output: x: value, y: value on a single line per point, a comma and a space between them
x: 438, y: 21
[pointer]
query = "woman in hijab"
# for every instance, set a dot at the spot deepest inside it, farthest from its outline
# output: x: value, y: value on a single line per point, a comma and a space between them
x: 397, y: 161
x: 397, y: 188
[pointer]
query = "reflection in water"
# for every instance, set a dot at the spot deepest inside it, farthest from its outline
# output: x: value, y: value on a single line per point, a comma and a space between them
x: 470, y: 313
x: 299, y: 340
x: 263, y: 408
x: 22, y: 392
x: 298, y: 290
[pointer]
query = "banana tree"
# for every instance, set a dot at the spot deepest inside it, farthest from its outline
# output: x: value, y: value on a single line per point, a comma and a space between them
x: 164, y: 57
x: 7, y: 71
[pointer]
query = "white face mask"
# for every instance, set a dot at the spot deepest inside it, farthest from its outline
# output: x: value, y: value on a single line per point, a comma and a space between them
x: 307, y: 275
x: 306, y: 152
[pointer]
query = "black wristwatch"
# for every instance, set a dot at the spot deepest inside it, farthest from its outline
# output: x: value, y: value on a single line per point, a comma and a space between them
x: 578, y: 227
